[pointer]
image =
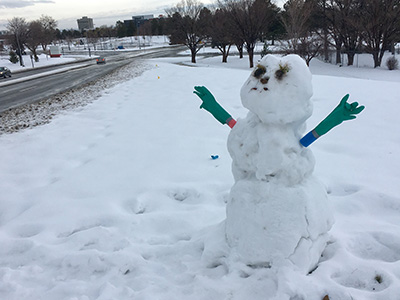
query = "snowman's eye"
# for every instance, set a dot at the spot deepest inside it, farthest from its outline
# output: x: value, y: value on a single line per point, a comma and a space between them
x: 282, y: 71
x: 260, y: 71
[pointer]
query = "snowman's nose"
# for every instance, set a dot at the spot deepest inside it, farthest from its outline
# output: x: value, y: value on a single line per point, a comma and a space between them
x: 264, y: 80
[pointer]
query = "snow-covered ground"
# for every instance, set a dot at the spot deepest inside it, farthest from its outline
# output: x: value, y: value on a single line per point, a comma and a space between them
x: 119, y: 199
x: 44, y: 61
x: 73, y: 52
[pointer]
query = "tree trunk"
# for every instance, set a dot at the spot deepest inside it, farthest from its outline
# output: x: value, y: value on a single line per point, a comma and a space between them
x: 240, y: 50
x: 35, y: 55
x: 250, y: 52
x: 21, y: 61
x: 338, y: 56
x: 193, y: 51
x: 377, y: 63
x: 224, y: 56
x: 350, y: 58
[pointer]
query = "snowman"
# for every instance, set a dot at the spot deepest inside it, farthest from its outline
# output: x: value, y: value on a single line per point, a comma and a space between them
x: 277, y: 213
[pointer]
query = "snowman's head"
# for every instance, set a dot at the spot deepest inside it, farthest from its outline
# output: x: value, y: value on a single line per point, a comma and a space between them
x: 279, y: 90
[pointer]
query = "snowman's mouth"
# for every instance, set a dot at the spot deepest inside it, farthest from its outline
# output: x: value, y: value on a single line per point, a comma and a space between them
x: 255, y: 89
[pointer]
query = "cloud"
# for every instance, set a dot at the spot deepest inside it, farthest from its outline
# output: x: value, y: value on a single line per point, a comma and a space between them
x: 21, y: 3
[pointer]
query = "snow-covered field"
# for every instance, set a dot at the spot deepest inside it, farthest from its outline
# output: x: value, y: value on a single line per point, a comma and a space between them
x: 44, y: 61
x: 119, y: 199
x: 73, y: 53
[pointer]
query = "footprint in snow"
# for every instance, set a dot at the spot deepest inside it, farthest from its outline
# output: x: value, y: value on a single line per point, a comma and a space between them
x: 343, y: 190
x: 381, y: 246
x: 363, y: 278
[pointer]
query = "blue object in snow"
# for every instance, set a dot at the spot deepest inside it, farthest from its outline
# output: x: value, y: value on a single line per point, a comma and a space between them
x: 213, y: 157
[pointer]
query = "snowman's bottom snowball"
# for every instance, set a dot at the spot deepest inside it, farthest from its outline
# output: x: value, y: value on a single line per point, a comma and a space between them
x: 271, y: 224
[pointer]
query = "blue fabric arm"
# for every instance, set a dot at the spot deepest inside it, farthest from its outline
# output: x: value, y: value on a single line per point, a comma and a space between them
x: 309, y: 138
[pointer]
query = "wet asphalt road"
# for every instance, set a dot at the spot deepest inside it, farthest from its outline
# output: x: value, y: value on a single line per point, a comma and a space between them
x: 35, y: 89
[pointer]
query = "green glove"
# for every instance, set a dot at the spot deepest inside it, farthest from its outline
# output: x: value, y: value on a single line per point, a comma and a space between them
x: 211, y: 105
x: 343, y: 112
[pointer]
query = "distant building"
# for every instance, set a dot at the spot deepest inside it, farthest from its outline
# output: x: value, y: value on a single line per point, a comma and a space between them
x: 132, y: 26
x: 85, y: 23
x: 139, y: 20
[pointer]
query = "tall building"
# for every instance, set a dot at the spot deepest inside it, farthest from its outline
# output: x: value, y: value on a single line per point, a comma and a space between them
x: 85, y: 23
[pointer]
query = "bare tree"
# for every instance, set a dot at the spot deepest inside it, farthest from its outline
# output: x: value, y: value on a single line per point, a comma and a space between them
x: 92, y: 37
x: 344, y: 27
x: 296, y: 20
x: 104, y: 33
x: 48, y: 31
x: 252, y: 19
x: 222, y: 33
x: 239, y: 43
x: 145, y: 29
x: 33, y: 40
x: 329, y: 20
x: 379, y: 21
x: 350, y: 30
x: 187, y: 26
x: 18, y: 29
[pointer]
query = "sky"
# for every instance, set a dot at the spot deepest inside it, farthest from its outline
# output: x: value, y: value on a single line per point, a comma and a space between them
x: 66, y: 12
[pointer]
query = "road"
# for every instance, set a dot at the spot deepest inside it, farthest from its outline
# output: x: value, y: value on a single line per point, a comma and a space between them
x: 33, y: 90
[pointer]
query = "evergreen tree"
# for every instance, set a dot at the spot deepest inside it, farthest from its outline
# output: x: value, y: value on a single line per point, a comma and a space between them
x: 13, y: 57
